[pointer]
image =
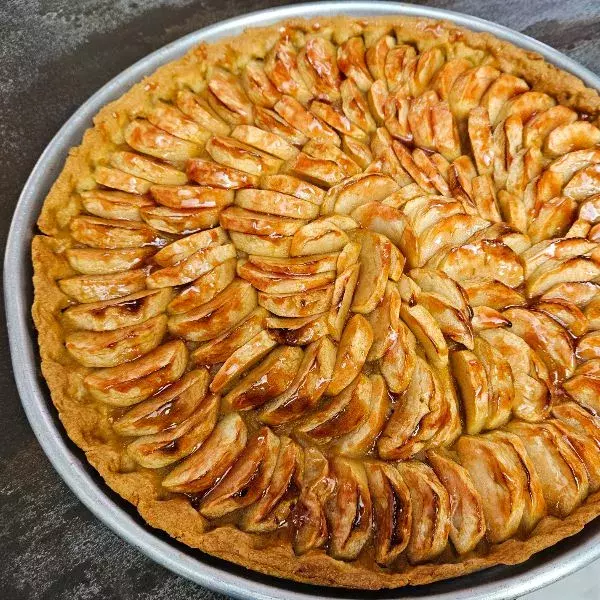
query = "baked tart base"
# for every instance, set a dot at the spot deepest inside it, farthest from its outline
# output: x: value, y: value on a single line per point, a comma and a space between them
x: 422, y: 338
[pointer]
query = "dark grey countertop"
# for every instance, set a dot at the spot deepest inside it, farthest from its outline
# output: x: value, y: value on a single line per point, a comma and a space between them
x: 53, y: 55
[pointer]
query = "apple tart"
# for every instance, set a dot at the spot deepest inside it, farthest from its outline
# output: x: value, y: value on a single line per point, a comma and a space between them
x: 323, y: 300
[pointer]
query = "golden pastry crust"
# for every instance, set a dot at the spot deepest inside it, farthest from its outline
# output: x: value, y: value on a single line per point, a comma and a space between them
x: 89, y: 423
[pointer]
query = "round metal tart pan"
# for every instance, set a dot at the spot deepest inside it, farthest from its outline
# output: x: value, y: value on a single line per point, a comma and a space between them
x: 492, y: 584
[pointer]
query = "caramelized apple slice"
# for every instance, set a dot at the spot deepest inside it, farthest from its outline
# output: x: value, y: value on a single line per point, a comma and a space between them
x: 498, y: 476
x: 149, y: 139
x: 362, y: 438
x: 485, y: 317
x: 583, y: 387
x: 415, y: 419
x: 246, y: 481
x: 281, y: 67
x: 100, y: 261
x: 180, y: 221
x: 351, y: 61
x: 218, y: 349
x: 298, y: 331
x: 114, y: 205
x: 273, y: 507
x: 472, y: 380
x: 452, y: 322
x: 384, y: 322
x: 266, y: 381
x: 191, y: 196
x: 112, y: 348
x: 302, y: 304
x: 588, y: 347
x: 95, y: 288
x: 546, y: 337
x: 303, y: 265
x: 567, y: 315
x: 292, y: 186
x: 343, y: 292
x: 197, y: 109
x: 183, y: 248
x: 427, y: 332
x: 120, y: 312
x: 213, y: 174
x: 200, y: 471
x: 212, y: 319
x: 119, y: 180
x: 500, y: 383
x: 166, y: 409
x: 296, y: 115
x: 354, y: 192
x: 354, y: 347
x: 227, y: 98
x: 350, y: 513
x: 534, y: 507
x: 109, y: 233
x: 262, y: 245
x: 242, y: 359
x: 276, y: 203
x: 430, y: 512
x: 341, y: 415
x: 265, y: 141
x: 491, y: 293
x: 171, y: 119
x: 132, y: 382
x: 579, y: 419
x: 554, y: 272
x: 467, y: 521
x: 562, y: 475
x: 322, y: 172
x: 392, y: 511
x: 307, y: 387
x: 204, y: 289
x: 257, y: 85
x: 308, y: 516
x: 198, y: 264
x: 235, y: 155
x: 398, y: 362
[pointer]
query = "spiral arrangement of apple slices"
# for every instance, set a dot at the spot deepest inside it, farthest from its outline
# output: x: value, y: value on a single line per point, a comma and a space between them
x: 350, y: 289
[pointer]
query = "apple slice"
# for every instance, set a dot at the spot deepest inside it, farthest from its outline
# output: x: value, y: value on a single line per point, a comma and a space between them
x: 384, y: 322
x: 180, y: 221
x: 579, y: 293
x: 276, y: 203
x: 566, y: 314
x: 244, y: 358
x: 361, y: 439
x: 436, y: 282
x: 317, y: 171
x: 353, y: 192
x: 109, y: 204
x: 474, y: 387
x: 563, y: 477
x: 235, y: 155
x: 351, y: 61
x: 341, y: 415
x: 535, y: 504
x: 500, y: 382
x: 109, y: 315
x: 336, y: 119
x: 198, y: 109
x: 343, y: 292
x: 204, y: 289
x: 308, y: 517
x: 94, y: 288
x: 169, y: 118
x: 355, y: 343
x: 100, y: 261
x: 262, y: 245
x: 228, y: 99
x: 375, y: 263
x: 409, y: 430
x: 491, y: 293
x: 257, y: 85
x: 292, y: 186
x: 350, y: 511
x: 265, y: 381
x: 170, y: 445
x: 265, y: 141
x: 132, y: 382
x: 147, y: 168
x: 114, y: 233
x: 220, y: 348
x: 269, y: 120
x: 183, y: 248
x: 307, y: 387
x: 198, y: 264
x: 452, y: 322
x: 149, y: 139
x: 392, y: 511
x: 546, y: 337
x: 467, y: 522
x: 498, y: 476
x: 200, y: 471
x: 555, y: 272
x: 578, y: 418
x: 311, y: 126
x: 209, y: 173
x: 398, y: 362
x: 246, y: 481
x: 273, y: 507
x: 318, y: 67
x: 427, y: 331
x: 487, y: 318
x: 318, y: 237
x: 298, y: 331
x: 214, y: 318
x: 583, y: 387
x: 302, y: 265
x: 303, y: 304
x: 191, y: 196
x: 430, y: 512
x: 112, y: 348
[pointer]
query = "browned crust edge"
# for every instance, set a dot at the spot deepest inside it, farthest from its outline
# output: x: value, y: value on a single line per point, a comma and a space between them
x: 87, y: 424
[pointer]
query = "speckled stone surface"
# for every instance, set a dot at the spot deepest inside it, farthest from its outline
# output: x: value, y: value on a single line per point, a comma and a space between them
x: 53, y: 55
